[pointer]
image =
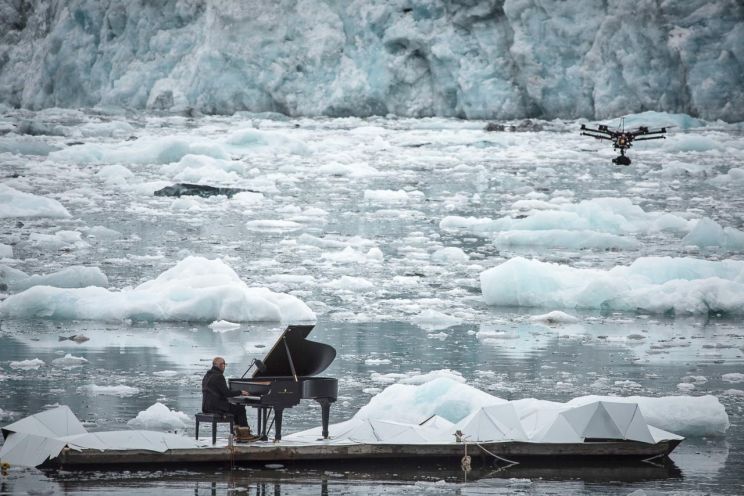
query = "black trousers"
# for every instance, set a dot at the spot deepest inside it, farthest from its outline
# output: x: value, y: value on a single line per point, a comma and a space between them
x: 238, y: 412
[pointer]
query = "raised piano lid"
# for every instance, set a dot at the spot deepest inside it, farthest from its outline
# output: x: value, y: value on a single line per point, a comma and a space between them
x: 309, y: 357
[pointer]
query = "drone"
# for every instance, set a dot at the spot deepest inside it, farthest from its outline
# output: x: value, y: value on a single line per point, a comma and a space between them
x: 622, y: 139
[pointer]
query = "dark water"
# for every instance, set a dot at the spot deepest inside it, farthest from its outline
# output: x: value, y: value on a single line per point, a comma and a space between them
x: 527, y: 360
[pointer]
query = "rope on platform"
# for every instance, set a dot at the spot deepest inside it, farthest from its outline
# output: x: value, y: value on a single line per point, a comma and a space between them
x: 465, y: 461
x: 510, y: 462
x: 651, y: 459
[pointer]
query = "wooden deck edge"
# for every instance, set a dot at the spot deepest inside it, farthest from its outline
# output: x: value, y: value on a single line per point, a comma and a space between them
x: 247, y: 454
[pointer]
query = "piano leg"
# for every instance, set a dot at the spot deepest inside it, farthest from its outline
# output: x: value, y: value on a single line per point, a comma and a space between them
x: 325, y: 408
x: 278, y: 423
x: 262, y: 429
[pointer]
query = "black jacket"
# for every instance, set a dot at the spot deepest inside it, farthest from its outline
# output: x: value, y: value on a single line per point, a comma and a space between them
x: 215, y: 392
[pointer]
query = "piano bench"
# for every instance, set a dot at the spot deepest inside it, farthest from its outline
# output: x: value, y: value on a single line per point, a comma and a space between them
x: 214, y: 419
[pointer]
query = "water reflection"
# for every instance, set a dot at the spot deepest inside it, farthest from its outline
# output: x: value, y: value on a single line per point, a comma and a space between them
x: 510, y: 357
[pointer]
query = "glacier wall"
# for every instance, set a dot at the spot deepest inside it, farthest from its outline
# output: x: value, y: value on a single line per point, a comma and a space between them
x: 461, y: 58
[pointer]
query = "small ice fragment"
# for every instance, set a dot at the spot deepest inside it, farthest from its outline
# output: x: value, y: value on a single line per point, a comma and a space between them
x: 733, y: 377
x: 69, y: 361
x: 554, y: 317
x: 223, y: 326
x: 27, y: 364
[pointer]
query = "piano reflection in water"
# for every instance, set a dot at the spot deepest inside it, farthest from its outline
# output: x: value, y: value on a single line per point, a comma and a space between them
x: 285, y: 376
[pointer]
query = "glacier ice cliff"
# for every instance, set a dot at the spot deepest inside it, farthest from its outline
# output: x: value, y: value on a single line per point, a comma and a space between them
x: 460, y: 58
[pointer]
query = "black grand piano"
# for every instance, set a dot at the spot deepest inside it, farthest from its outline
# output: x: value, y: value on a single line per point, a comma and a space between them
x: 285, y: 376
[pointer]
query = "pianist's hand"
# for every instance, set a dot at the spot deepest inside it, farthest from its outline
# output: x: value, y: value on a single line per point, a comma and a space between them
x: 244, y: 393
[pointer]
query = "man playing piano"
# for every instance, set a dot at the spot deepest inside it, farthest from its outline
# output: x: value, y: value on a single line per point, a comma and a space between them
x: 215, y: 394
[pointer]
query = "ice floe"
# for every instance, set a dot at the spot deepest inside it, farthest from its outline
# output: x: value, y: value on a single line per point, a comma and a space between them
x: 14, y: 203
x: 195, y: 289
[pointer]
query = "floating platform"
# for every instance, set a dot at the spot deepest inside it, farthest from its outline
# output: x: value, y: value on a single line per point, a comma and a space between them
x: 262, y: 453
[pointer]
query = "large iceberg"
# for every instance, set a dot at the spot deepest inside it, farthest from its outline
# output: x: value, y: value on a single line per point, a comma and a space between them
x: 489, y: 59
x: 650, y: 284
x: 196, y: 289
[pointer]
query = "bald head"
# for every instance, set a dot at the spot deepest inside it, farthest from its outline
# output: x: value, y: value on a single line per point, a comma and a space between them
x: 219, y: 362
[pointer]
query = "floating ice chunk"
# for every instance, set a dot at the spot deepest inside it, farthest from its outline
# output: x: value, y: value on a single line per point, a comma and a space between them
x: 675, y: 168
x: 418, y: 379
x: 272, y: 225
x: 375, y: 254
x: 453, y: 223
x: 114, y: 174
x: 349, y: 255
x: 618, y: 216
x: 449, y: 255
x: 690, y: 143
x: 250, y: 139
x: 166, y: 373
x: 734, y: 177
x: 223, y: 326
x: 6, y: 251
x: 10, y: 276
x: 146, y: 150
x: 432, y: 320
x: 104, y: 233
x: 377, y: 361
x: 438, y: 335
x: 32, y: 364
x: 389, y: 197
x: 71, y: 277
x: 120, y: 390
x: 207, y: 175
x: 14, y: 203
x: 708, y: 232
x: 160, y: 418
x: 196, y: 289
x: 554, y: 317
x: 685, y: 387
x: 654, y: 120
x: 350, y: 283
x: 61, y: 240
x: 733, y: 377
x: 69, y: 361
x: 652, y: 284
x: 562, y: 238
x: 248, y: 198
x: 358, y: 169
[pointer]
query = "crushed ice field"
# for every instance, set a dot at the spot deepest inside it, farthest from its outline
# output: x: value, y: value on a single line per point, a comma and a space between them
x: 523, y: 263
